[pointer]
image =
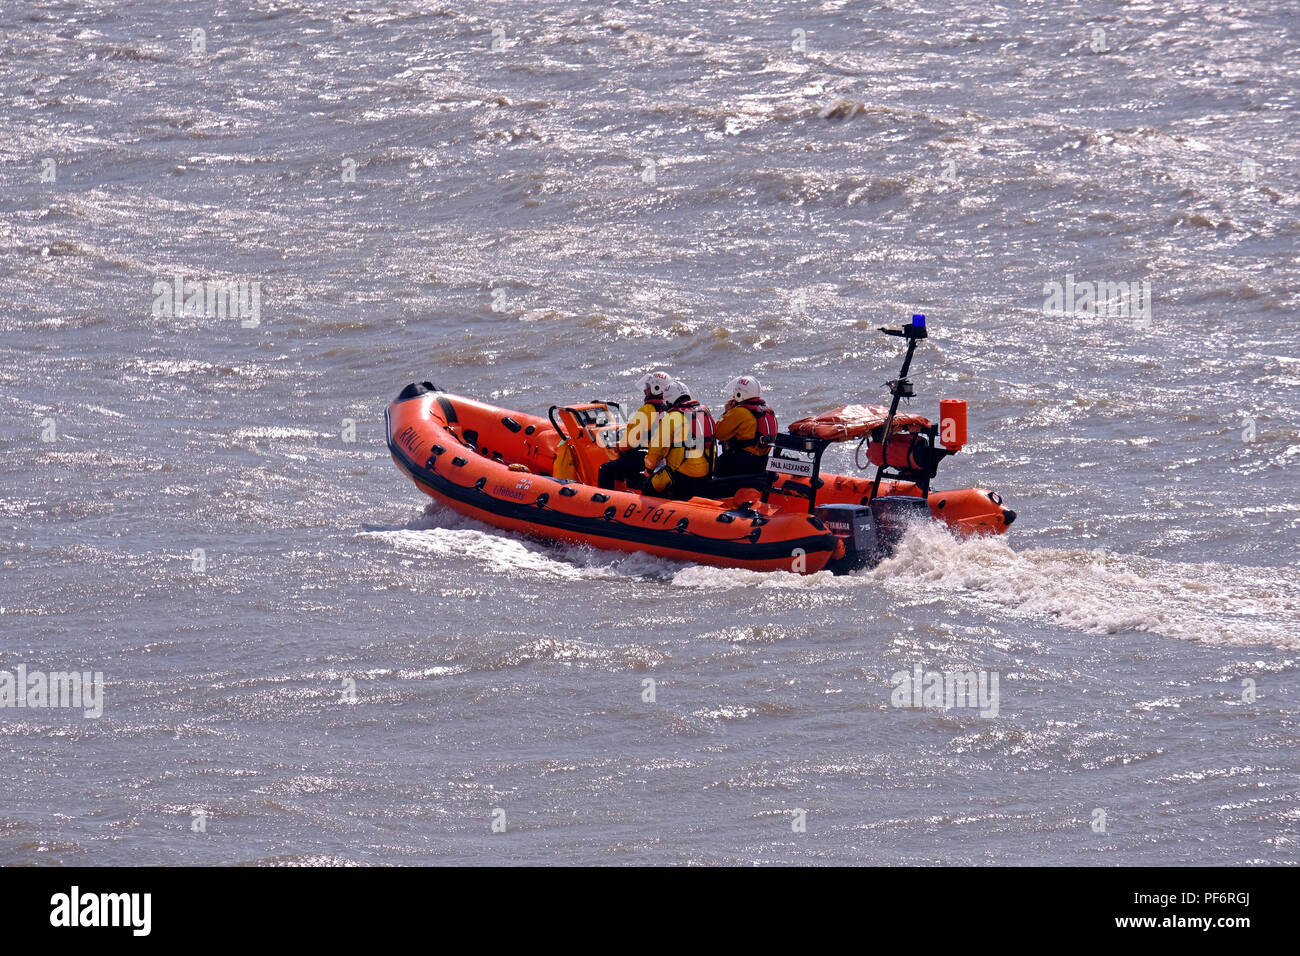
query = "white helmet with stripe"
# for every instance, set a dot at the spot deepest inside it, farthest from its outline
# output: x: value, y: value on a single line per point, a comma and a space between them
x: 674, y: 391
x: 743, y: 389
x: 654, y: 383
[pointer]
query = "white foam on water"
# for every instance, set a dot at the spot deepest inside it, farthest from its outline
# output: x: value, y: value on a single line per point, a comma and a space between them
x: 1099, y: 591
x: 498, y: 552
x: 1090, y: 590
x: 443, y: 532
x: 704, y: 576
x: 278, y: 432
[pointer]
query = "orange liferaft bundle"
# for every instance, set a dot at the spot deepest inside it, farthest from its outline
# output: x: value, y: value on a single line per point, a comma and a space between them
x: 856, y: 421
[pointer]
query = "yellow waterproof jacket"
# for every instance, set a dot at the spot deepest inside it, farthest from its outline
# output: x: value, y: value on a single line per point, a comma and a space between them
x: 668, y: 441
x: 739, y: 424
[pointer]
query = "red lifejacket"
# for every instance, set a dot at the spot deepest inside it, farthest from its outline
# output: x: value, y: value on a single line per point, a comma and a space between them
x: 764, y: 433
x: 656, y: 400
x: 702, y: 426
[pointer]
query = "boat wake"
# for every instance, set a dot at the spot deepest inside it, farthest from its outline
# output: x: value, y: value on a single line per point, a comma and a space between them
x: 1090, y: 590
x: 439, y: 531
x: 1102, y: 592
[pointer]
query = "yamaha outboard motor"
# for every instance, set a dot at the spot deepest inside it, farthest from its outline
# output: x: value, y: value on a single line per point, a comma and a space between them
x: 870, y: 533
x: 856, y: 527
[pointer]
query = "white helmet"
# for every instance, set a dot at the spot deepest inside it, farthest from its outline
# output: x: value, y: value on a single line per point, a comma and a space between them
x: 675, y: 391
x: 654, y: 383
x: 742, y: 389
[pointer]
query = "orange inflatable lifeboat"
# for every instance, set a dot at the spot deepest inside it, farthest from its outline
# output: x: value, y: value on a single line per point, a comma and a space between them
x: 496, y: 465
x: 538, y: 476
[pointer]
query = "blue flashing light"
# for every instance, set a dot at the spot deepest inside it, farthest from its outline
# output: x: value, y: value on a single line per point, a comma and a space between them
x: 918, y: 319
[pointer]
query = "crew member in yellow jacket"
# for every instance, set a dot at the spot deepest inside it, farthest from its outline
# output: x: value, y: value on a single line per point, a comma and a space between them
x: 747, y: 430
x: 683, y: 448
x: 630, y: 463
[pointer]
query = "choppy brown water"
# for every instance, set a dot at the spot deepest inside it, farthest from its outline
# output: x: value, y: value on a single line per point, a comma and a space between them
x: 504, y: 238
